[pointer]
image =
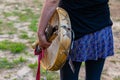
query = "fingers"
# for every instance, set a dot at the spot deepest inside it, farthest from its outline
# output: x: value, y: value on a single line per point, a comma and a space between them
x: 43, y: 43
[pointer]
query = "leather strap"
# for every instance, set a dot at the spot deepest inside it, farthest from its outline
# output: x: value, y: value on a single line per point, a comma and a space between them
x: 40, y: 55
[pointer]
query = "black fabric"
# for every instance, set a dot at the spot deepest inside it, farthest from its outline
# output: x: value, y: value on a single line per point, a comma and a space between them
x: 93, y: 70
x: 67, y: 74
x: 87, y: 16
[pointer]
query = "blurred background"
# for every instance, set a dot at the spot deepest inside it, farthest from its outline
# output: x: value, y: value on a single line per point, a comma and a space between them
x: 18, y: 26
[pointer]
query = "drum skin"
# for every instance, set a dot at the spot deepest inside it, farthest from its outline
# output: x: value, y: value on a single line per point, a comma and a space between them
x: 56, y: 55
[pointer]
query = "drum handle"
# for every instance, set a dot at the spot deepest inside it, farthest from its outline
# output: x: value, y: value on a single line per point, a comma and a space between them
x: 50, y: 33
x: 71, y: 47
x: 73, y: 35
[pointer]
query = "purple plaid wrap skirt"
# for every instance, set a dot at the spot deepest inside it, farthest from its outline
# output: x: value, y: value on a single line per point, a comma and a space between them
x: 93, y: 46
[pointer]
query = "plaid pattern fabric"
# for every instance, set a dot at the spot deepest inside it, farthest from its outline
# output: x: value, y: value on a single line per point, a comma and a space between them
x: 93, y: 46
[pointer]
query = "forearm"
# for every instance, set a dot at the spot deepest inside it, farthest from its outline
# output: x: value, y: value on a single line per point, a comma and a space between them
x: 47, y: 11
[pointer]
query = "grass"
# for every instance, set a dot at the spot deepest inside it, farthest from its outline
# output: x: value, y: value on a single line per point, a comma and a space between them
x: 117, y: 78
x: 7, y: 14
x: 32, y: 40
x: 6, y: 64
x: 14, y: 47
x: 118, y: 20
x: 19, y: 60
x: 7, y: 28
x: 118, y: 51
x: 1, y: 21
x: 23, y: 35
x: 38, y: 3
x: 50, y: 75
x: 33, y: 65
x: 33, y: 25
x: 24, y: 15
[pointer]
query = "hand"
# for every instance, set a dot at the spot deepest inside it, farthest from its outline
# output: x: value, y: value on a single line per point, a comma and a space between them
x: 43, y: 43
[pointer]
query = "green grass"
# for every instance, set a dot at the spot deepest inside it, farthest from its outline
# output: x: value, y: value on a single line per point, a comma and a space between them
x: 28, y: 15
x: 4, y: 63
x: 118, y: 20
x: 38, y: 3
x: 14, y: 47
x: 117, y: 51
x: 24, y: 15
x: 19, y: 60
x: 1, y: 21
x: 7, y: 64
x: 117, y: 78
x: 33, y: 65
x: 7, y: 28
x: 7, y: 14
x: 50, y: 75
x: 24, y: 35
x: 32, y: 40
x: 33, y: 25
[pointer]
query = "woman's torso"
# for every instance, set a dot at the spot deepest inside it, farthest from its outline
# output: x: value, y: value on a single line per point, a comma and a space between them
x: 87, y: 16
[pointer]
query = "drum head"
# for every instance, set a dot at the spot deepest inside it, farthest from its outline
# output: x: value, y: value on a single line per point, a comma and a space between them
x: 56, y: 55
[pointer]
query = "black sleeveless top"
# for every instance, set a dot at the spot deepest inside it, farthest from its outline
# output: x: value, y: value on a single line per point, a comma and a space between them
x: 87, y: 16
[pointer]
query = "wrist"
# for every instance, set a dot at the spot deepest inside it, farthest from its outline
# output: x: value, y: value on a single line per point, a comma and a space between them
x: 41, y: 31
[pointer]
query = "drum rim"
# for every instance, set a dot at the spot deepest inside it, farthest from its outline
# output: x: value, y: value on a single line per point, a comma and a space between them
x: 57, y: 11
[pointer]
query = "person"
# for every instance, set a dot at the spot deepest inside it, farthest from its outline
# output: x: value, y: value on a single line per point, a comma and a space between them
x: 93, y: 43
